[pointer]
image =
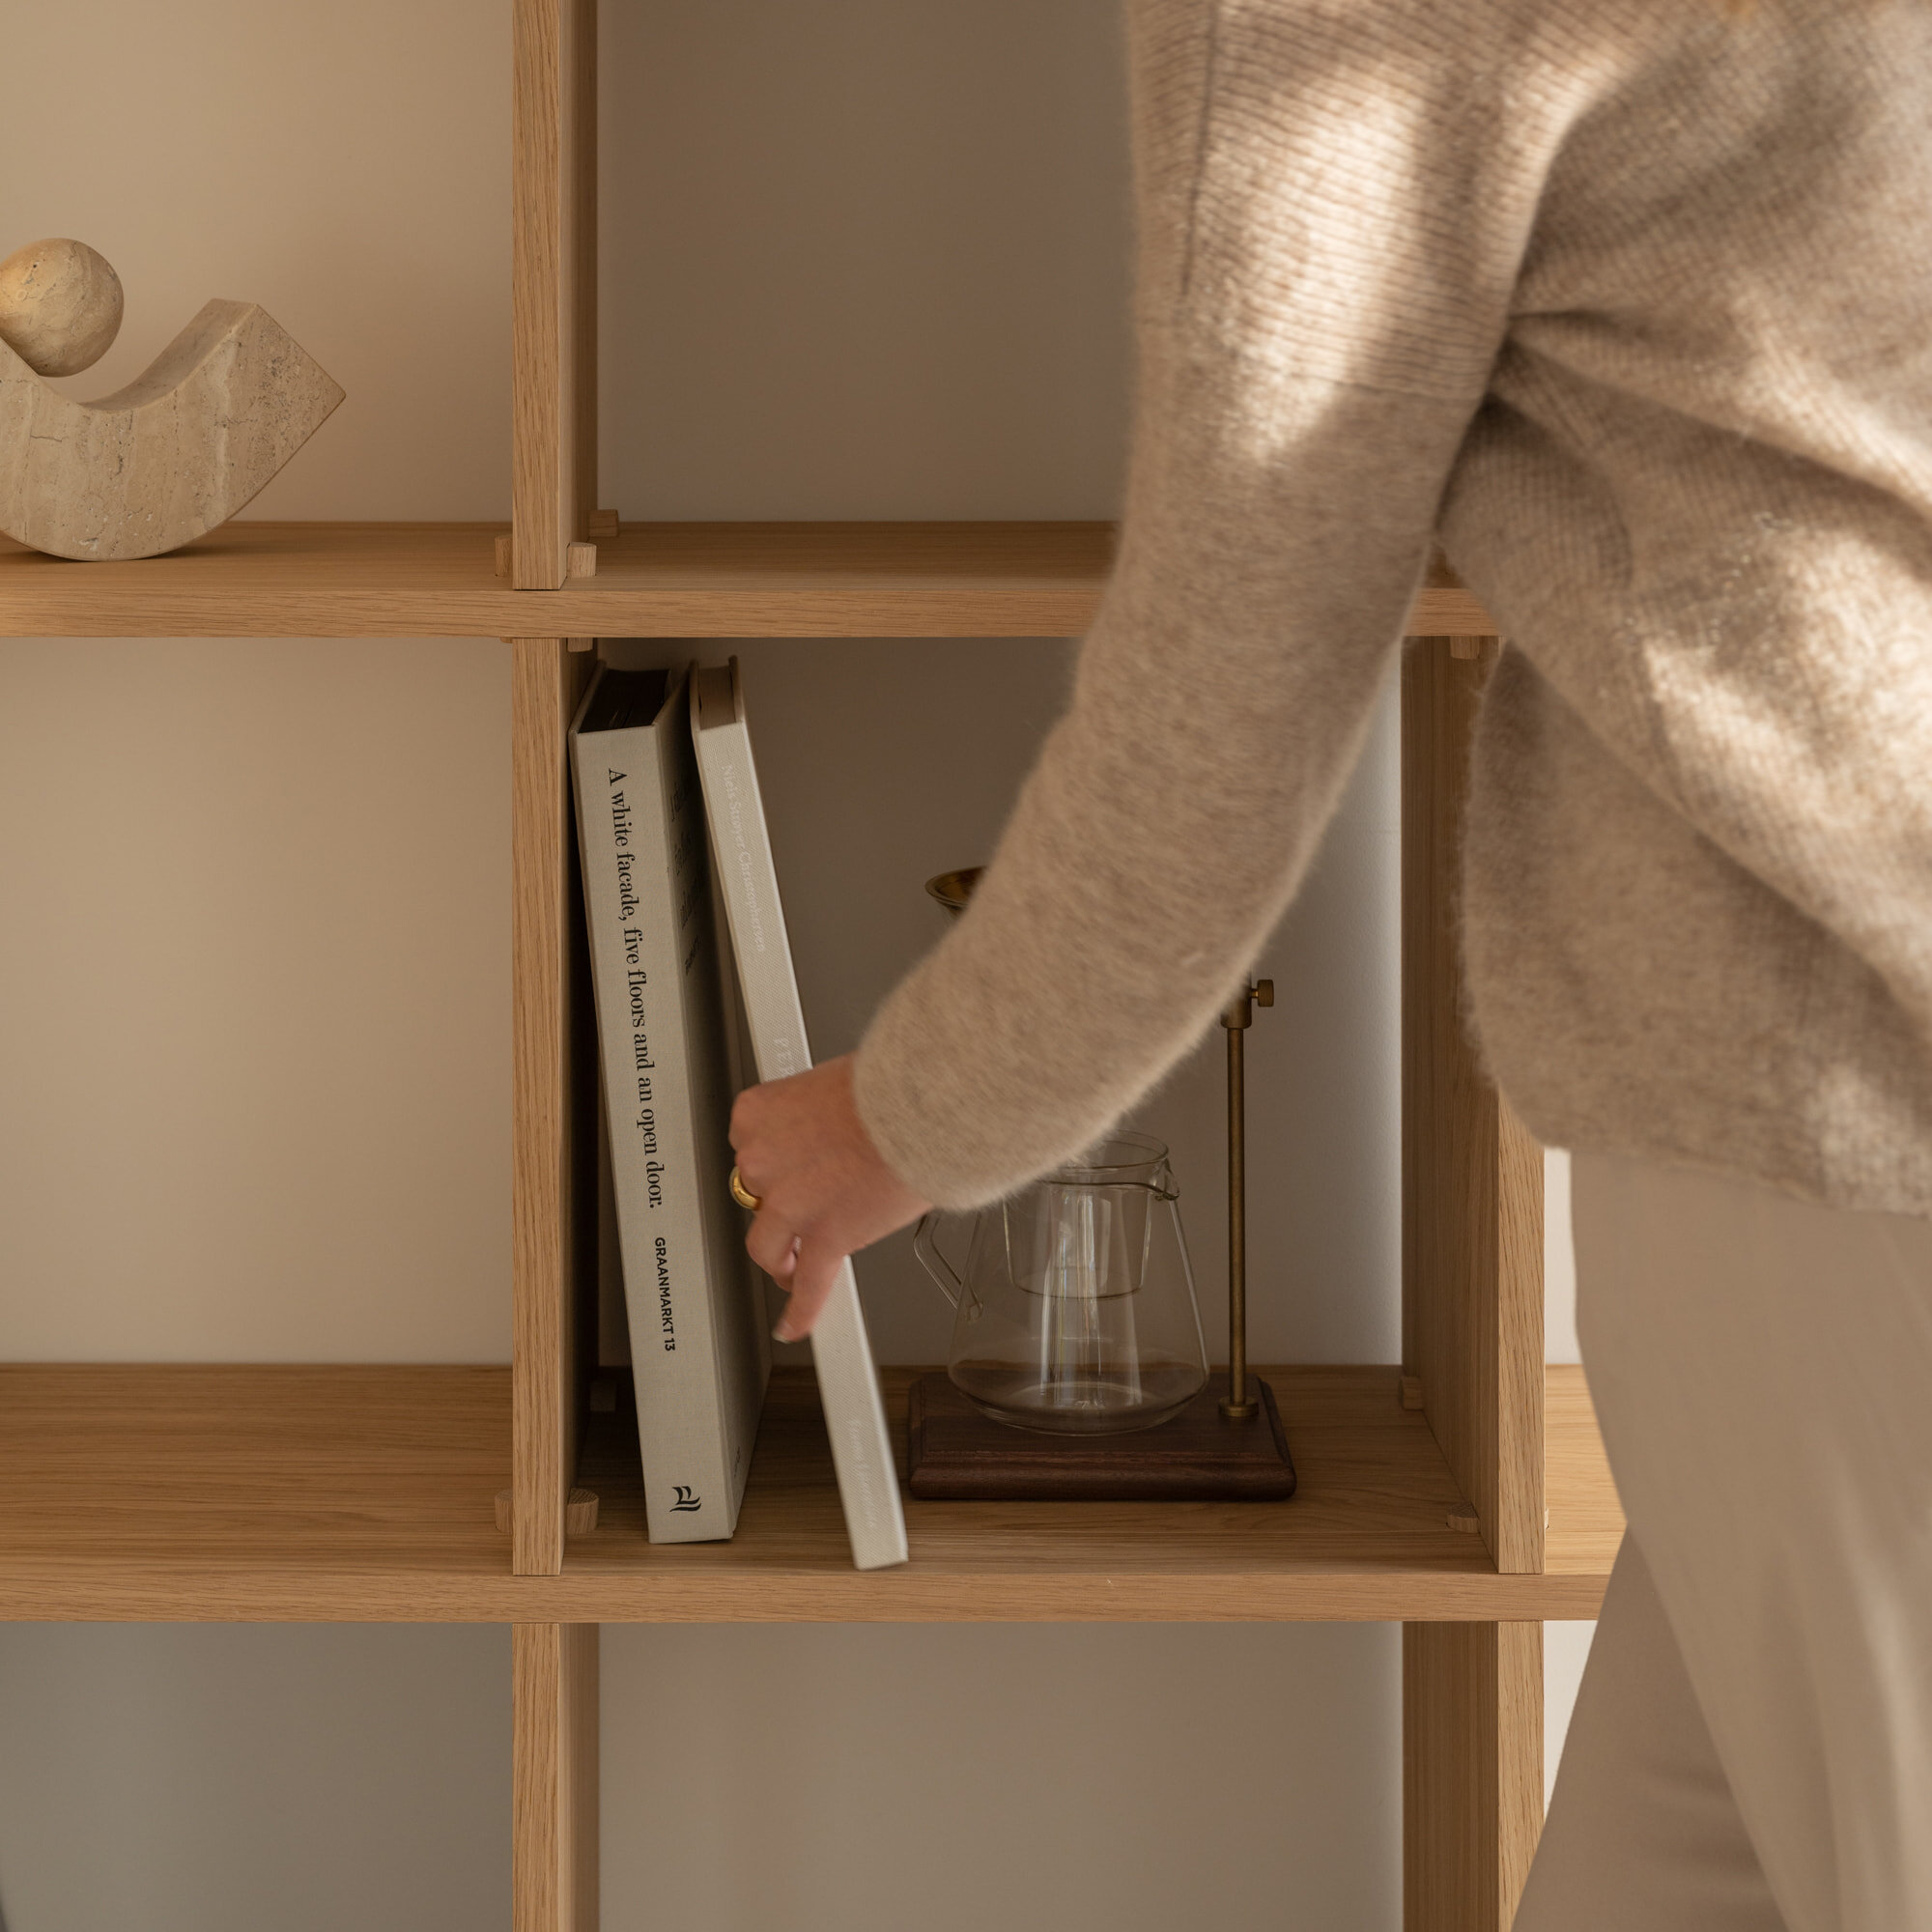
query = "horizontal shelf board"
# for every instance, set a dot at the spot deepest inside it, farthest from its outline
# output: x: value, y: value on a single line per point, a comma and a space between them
x: 242, y: 1490
x: 1586, y: 1520
x: 653, y: 580
x: 1366, y: 1537
x: 366, y: 1494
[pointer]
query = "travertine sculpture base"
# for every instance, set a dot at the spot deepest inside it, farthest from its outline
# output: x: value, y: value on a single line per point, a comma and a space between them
x: 169, y: 457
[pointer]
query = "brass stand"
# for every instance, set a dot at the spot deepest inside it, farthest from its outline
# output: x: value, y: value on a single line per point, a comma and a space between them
x: 1220, y: 1448
x: 1238, y: 1404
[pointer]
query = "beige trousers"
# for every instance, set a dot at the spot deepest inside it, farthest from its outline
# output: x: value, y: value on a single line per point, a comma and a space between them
x: 1752, y: 1749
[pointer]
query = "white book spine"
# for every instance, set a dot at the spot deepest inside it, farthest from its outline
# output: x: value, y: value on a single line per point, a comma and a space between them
x: 848, y: 1381
x: 623, y: 801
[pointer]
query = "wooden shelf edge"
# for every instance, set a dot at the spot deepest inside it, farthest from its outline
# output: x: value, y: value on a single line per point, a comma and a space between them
x: 685, y: 580
x: 244, y: 1595
x: 89, y: 1432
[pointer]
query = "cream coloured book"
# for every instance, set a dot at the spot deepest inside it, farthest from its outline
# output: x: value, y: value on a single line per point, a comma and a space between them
x: 700, y: 1348
x: 848, y: 1382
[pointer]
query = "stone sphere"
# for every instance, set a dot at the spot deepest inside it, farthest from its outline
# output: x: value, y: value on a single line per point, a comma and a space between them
x: 60, y: 306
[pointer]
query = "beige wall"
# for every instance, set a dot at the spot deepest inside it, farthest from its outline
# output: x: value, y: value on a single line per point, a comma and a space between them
x: 252, y: 966
x: 253, y: 1075
x: 885, y: 244
x: 272, y: 1777
x: 870, y: 259
x: 865, y: 258
x: 980, y: 1778
x: 345, y: 165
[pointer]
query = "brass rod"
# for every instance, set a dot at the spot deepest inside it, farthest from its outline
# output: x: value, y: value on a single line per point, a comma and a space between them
x: 1238, y: 1017
x: 1238, y: 1403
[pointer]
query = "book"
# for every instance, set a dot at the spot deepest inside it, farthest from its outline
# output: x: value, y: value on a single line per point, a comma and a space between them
x: 848, y: 1382
x: 700, y: 1347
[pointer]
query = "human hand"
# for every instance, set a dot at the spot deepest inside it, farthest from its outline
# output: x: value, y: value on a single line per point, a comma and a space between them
x: 822, y: 1188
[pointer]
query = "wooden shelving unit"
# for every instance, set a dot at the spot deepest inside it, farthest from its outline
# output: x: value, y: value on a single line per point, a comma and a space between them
x: 282, y: 1493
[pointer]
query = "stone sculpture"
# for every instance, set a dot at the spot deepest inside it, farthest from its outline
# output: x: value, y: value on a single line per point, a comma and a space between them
x: 60, y: 306
x: 178, y: 451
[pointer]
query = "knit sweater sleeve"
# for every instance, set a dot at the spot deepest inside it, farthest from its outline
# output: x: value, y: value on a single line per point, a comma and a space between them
x: 1332, y: 204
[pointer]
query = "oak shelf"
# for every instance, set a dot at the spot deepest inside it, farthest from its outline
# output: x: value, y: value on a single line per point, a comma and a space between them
x: 912, y: 579
x: 366, y: 1494
x: 243, y: 1492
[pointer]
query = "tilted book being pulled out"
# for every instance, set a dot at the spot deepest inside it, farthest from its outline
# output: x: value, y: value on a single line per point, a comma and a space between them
x: 848, y: 1383
x: 698, y: 1344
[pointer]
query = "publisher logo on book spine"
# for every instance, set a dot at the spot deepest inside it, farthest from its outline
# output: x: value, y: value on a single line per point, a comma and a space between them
x: 685, y: 1499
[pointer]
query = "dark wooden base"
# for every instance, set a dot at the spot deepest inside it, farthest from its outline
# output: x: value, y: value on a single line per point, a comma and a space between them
x: 958, y: 1455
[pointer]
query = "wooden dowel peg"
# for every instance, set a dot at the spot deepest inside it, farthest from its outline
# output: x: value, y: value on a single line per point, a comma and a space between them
x: 579, y: 1512
x: 581, y: 559
x: 1412, y: 1392
x: 603, y: 524
x: 504, y: 556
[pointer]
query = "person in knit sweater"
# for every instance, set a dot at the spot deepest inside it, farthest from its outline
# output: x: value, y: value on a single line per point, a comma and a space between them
x: 1630, y: 302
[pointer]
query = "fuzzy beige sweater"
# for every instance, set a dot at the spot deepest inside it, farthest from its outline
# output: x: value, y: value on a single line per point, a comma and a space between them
x: 1633, y: 301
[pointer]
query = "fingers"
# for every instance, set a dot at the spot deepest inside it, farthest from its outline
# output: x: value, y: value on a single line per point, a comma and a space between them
x: 769, y: 1243
x: 748, y: 1111
x: 815, y: 1267
x: 823, y: 1188
x: 772, y: 1245
x: 805, y: 1265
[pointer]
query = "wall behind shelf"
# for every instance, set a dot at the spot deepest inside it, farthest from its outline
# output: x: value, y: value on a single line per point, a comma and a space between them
x: 867, y: 258
x: 870, y: 259
x: 877, y: 1778
x: 255, y: 1072
x: 883, y: 247
x: 196, y: 1777
x: 347, y: 167
x: 884, y: 762
x: 256, y: 1087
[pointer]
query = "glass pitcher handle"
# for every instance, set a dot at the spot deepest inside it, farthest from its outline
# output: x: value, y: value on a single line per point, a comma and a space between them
x: 934, y: 1263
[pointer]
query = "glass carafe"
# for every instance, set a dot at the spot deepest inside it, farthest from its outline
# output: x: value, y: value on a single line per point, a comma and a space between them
x: 1074, y: 1302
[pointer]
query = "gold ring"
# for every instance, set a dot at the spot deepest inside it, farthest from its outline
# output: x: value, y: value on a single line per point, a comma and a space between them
x: 742, y: 1194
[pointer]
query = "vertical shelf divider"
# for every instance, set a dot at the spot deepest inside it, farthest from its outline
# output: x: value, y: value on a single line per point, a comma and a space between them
x: 1472, y: 1176
x: 554, y: 480
x: 553, y: 490
x: 553, y: 286
x: 552, y: 1187
x: 1472, y: 1337
x: 1471, y: 1772
x: 554, y: 1778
